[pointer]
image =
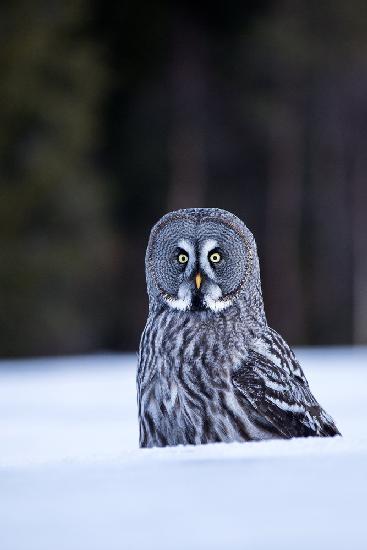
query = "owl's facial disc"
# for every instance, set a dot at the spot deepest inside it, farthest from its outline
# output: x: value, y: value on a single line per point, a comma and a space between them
x: 198, y: 289
x: 197, y: 264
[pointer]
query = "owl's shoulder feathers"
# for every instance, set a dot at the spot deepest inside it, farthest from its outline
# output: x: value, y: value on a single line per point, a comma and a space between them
x: 272, y: 380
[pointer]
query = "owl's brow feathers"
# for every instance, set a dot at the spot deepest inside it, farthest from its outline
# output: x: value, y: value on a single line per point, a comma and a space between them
x: 233, y: 226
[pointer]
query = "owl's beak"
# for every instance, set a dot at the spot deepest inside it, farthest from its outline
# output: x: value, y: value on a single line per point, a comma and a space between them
x: 198, y: 279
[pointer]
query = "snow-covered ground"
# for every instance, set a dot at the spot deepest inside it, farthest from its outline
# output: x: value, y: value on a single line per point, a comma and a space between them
x: 72, y: 476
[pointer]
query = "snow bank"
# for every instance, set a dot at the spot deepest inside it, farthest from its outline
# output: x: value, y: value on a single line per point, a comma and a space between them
x: 72, y: 477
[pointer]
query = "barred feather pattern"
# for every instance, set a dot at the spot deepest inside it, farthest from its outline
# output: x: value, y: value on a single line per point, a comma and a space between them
x: 248, y: 386
x: 224, y: 376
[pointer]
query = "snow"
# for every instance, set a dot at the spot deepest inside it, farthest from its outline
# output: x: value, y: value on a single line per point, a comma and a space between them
x: 72, y: 476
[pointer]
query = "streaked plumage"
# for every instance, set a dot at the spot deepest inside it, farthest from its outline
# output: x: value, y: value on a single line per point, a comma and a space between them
x: 210, y: 368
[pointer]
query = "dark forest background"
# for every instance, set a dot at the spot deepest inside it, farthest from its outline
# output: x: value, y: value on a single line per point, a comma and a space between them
x: 112, y: 113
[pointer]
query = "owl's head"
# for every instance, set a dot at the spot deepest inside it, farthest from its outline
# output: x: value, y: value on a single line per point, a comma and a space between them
x: 200, y: 259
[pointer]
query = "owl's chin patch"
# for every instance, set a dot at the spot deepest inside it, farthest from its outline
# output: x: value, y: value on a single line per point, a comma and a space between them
x: 197, y: 302
x: 204, y: 302
x: 194, y: 302
x: 188, y: 299
x: 214, y: 299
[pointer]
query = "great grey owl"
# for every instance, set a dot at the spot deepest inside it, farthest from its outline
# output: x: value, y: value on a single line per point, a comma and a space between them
x: 210, y: 368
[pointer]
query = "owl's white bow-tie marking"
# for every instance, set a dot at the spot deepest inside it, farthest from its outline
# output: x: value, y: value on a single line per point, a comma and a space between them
x: 210, y: 368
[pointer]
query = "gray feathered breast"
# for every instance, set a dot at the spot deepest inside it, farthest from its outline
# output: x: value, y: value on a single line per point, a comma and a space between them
x: 210, y: 368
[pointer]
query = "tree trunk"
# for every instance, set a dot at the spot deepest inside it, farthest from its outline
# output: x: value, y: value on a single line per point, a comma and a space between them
x: 283, y: 283
x: 359, y: 246
x: 189, y: 91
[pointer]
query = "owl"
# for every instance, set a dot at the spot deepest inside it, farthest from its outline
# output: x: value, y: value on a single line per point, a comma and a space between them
x: 210, y: 367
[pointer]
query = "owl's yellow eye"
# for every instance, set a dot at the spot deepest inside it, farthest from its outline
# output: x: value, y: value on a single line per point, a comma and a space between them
x: 183, y: 258
x: 215, y: 257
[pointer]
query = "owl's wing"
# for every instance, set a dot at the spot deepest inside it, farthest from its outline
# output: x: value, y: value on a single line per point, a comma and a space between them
x: 282, y: 397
